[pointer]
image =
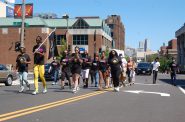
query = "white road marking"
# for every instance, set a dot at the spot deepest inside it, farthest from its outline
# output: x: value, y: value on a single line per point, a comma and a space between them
x: 182, y: 90
x: 147, y: 92
x: 147, y: 84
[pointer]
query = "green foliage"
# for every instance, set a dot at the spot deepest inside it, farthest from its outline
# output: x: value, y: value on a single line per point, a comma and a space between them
x: 63, y: 47
x: 165, y: 62
x: 107, y: 52
x: 151, y: 58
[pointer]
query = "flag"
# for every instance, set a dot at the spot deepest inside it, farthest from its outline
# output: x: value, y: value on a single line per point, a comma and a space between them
x: 53, y: 51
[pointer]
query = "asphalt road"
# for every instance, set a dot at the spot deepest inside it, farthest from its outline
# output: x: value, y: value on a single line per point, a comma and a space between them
x: 141, y: 102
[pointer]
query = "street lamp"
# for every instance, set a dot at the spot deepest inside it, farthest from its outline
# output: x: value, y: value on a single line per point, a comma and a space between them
x: 66, y: 16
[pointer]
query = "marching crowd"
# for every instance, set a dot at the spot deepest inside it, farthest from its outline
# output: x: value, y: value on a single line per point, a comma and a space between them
x: 112, y: 71
x: 102, y: 70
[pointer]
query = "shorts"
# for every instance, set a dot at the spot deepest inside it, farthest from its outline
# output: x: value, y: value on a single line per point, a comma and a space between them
x: 85, y: 73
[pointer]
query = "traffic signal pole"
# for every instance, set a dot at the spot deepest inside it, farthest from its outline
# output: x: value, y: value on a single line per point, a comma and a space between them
x: 22, y: 25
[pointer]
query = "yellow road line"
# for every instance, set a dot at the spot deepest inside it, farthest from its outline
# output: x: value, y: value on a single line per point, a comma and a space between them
x: 35, y: 107
x: 27, y: 111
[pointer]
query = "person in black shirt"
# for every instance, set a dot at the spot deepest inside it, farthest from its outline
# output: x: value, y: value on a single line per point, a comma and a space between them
x: 54, y: 69
x: 115, y: 63
x: 76, y: 62
x: 173, y: 71
x: 39, y: 52
x: 95, y: 70
x: 66, y: 70
x: 86, y: 65
x: 22, y: 62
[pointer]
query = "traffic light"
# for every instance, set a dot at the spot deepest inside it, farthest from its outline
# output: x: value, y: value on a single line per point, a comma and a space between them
x: 17, y: 46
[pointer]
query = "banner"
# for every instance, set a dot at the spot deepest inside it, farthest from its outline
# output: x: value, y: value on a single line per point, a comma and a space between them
x: 28, y: 10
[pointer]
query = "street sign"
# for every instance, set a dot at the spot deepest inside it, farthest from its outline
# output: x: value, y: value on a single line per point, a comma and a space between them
x: 19, y: 24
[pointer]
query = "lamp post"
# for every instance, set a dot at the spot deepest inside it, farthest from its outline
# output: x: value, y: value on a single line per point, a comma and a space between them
x: 23, y: 21
x: 66, y: 16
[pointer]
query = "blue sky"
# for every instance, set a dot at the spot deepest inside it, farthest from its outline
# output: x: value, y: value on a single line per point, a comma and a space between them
x: 156, y: 20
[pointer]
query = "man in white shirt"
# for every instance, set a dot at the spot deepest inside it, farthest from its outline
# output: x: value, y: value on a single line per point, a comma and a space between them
x: 156, y: 66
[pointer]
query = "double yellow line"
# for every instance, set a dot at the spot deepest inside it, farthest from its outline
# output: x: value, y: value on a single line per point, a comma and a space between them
x: 15, y: 114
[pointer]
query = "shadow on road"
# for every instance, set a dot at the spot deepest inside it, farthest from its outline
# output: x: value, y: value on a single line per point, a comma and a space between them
x: 179, y: 82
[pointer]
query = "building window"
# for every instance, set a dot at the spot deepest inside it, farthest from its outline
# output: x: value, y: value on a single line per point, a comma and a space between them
x: 59, y: 39
x: 4, y: 30
x: 80, y: 24
x: 45, y: 30
x: 80, y: 39
x: 112, y: 34
x: 111, y: 26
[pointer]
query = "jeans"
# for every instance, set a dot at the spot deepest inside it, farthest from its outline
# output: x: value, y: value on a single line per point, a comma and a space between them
x: 55, y: 75
x: 154, y: 76
x: 23, y: 78
x: 96, y: 78
x: 173, y: 78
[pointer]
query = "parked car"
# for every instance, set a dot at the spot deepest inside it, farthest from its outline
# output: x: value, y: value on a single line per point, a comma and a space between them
x: 7, y: 76
x: 144, y: 68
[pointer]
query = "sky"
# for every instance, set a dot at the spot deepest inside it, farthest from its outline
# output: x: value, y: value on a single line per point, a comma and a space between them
x: 155, y: 20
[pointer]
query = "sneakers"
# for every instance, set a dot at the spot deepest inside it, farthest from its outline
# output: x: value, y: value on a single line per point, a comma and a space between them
x: 116, y: 89
x: 28, y: 86
x: 44, y: 91
x: 35, y: 92
x: 74, y: 90
x: 21, y: 89
x: 54, y: 83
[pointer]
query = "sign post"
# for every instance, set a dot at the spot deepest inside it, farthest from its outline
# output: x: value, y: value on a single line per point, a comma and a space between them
x: 23, y: 20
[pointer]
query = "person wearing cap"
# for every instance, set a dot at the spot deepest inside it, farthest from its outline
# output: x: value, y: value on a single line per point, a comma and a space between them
x: 22, y: 61
x: 39, y: 54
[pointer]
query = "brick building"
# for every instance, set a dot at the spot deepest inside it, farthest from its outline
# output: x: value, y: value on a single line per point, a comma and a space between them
x: 81, y: 32
x: 171, y: 49
x: 180, y: 34
x: 117, y: 31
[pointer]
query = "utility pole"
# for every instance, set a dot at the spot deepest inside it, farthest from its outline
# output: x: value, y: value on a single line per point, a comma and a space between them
x: 22, y: 25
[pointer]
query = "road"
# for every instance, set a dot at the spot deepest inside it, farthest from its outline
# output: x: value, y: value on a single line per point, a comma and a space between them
x: 141, y: 102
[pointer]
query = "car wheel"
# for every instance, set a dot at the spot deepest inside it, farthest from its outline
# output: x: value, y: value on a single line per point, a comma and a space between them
x: 9, y: 81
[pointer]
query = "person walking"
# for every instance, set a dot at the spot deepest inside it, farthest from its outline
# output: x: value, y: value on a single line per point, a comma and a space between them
x: 95, y: 70
x: 103, y: 71
x: 115, y: 63
x: 173, y: 71
x: 66, y: 69
x: 54, y: 69
x: 76, y: 62
x: 155, y: 69
x: 123, y: 71
x: 22, y: 61
x: 39, y: 54
x: 86, y: 65
x: 131, y: 71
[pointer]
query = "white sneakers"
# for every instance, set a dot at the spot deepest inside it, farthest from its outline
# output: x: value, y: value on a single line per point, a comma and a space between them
x: 54, y: 83
x: 36, y: 92
x: 76, y: 89
x: 21, y: 89
x: 116, y: 89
